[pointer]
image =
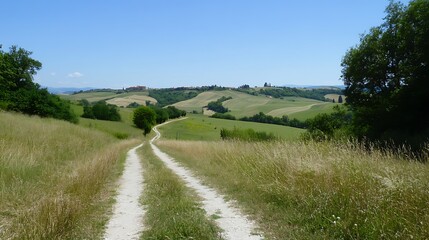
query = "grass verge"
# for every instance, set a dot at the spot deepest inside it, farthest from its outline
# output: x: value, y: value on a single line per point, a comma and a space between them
x: 172, y: 209
x: 316, y: 190
x: 56, y: 179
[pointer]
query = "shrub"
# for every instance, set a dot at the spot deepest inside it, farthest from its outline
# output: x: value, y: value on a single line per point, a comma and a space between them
x: 246, y: 135
x: 144, y: 118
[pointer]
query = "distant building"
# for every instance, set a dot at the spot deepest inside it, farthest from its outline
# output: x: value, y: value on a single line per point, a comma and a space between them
x: 136, y: 88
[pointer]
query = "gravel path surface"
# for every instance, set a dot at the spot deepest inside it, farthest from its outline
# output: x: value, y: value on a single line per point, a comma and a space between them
x: 235, y: 225
x: 127, y: 219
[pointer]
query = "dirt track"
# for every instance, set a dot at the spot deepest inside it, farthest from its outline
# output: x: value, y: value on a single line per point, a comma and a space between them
x: 234, y: 224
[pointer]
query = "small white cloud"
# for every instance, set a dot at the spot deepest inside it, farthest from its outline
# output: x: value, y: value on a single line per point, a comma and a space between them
x: 75, y: 75
x: 53, y: 73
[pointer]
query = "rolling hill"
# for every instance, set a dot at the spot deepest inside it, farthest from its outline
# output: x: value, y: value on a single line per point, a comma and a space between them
x: 243, y: 104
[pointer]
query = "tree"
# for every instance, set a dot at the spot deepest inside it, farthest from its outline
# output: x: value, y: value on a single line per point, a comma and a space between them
x: 387, y: 76
x: 19, y: 93
x: 340, y: 99
x: 144, y: 118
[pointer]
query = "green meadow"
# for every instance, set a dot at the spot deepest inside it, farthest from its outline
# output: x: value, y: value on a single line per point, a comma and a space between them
x: 199, y: 127
x: 123, y: 129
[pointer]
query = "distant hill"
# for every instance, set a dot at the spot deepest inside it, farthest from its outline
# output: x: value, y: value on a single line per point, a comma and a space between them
x: 243, y: 104
x: 67, y: 90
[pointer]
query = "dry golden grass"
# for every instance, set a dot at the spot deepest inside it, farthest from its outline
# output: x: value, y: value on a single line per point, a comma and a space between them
x: 56, y: 179
x: 316, y: 190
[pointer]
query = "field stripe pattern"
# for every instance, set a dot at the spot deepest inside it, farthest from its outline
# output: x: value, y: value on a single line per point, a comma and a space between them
x: 229, y: 219
x: 127, y: 219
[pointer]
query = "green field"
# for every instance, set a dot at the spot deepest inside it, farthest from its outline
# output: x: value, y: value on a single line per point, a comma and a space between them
x: 313, y: 111
x: 199, y: 127
x: 243, y: 104
x: 121, y: 98
x: 123, y: 129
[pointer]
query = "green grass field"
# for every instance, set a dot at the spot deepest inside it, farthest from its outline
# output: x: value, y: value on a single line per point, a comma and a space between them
x: 243, y: 104
x: 313, y: 111
x: 199, y: 127
x: 123, y: 129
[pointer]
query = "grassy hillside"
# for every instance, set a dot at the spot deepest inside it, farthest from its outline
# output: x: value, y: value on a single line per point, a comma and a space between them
x: 123, y: 129
x: 56, y: 178
x: 119, y: 99
x: 298, y: 190
x: 199, y: 127
x: 243, y: 104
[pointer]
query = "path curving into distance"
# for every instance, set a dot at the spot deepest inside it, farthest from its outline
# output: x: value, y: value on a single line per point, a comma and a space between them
x: 127, y: 219
x: 235, y: 225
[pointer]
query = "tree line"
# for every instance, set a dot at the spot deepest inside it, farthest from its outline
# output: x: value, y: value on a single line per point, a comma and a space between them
x: 145, y: 117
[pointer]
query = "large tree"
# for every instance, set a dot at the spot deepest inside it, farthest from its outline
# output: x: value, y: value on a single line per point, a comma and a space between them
x: 19, y: 93
x: 387, y: 76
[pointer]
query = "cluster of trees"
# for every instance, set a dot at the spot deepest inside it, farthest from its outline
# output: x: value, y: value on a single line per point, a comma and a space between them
x: 217, y: 106
x: 387, y: 77
x: 19, y: 92
x: 145, y: 117
x: 284, y: 120
x: 100, y: 110
x: 387, y: 82
x: 329, y: 126
x: 317, y: 94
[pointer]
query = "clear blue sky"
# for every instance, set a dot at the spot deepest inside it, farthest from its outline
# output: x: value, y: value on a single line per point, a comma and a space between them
x: 172, y: 43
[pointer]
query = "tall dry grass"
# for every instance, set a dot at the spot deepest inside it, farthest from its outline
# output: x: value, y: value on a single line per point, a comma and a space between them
x: 317, y: 190
x: 56, y: 179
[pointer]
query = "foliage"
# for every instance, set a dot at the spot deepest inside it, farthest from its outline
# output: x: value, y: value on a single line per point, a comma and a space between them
x: 217, y: 106
x: 246, y: 135
x: 284, y: 120
x: 144, y: 118
x: 317, y: 93
x: 386, y: 76
x: 173, y: 112
x: 223, y: 116
x: 162, y: 114
x: 19, y: 92
x: 327, y: 126
x: 169, y: 96
x: 133, y: 105
x: 102, y: 111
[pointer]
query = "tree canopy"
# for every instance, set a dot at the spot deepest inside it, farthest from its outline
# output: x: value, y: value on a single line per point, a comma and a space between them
x: 387, y: 76
x: 144, y: 118
x: 19, y: 92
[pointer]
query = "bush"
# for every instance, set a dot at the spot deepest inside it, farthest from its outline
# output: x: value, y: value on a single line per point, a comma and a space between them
x: 102, y: 111
x: 246, y: 135
x: 144, y: 118
x: 223, y: 116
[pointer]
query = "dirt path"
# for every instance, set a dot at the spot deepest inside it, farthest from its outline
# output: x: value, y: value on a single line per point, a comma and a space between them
x: 234, y: 225
x: 127, y: 219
